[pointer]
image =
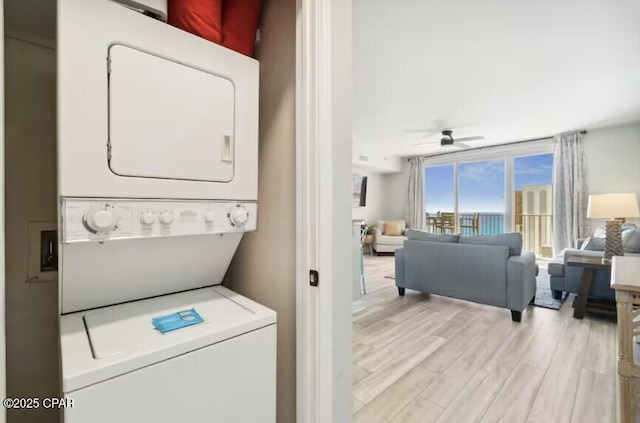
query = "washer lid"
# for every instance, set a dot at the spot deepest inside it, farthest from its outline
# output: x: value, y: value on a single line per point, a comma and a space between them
x: 104, y: 343
x: 126, y: 327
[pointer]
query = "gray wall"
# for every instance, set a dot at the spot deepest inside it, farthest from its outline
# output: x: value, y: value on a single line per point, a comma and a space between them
x: 30, y: 184
x: 264, y: 266
x: 611, y: 162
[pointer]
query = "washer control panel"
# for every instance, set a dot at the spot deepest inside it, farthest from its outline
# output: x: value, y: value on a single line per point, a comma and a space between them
x: 98, y: 219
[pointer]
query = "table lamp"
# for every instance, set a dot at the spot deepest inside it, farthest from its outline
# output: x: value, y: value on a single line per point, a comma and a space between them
x: 615, y: 207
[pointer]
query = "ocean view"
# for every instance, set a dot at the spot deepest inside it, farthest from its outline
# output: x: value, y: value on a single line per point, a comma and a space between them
x: 488, y: 224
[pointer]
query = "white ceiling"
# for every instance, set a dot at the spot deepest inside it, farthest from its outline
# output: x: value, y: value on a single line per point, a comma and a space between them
x: 506, y: 69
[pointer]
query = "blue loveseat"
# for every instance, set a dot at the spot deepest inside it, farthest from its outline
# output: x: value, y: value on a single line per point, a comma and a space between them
x: 484, y: 269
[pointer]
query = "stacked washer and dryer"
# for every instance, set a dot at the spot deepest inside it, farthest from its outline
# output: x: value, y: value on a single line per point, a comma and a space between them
x: 157, y: 181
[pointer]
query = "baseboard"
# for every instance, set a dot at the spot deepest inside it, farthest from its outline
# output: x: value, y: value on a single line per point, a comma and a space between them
x: 358, y: 305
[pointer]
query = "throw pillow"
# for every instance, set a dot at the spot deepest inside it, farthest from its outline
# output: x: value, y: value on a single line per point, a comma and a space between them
x: 240, y: 21
x: 593, y: 244
x: 200, y: 17
x: 392, y: 228
x: 631, y: 240
x: 599, y: 233
x: 512, y: 240
x: 415, y: 235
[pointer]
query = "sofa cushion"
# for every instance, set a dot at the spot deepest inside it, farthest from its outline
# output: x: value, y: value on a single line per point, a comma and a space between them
x: 381, y: 224
x: 390, y: 240
x: 393, y: 228
x: 631, y: 240
x: 415, y: 235
x: 593, y: 244
x: 512, y: 240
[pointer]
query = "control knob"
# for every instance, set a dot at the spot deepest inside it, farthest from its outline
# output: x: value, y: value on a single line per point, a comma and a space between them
x: 166, y: 218
x: 238, y: 215
x: 147, y: 218
x: 209, y: 216
x: 103, y: 220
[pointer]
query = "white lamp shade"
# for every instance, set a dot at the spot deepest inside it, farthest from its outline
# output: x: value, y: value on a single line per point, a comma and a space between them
x: 607, y: 206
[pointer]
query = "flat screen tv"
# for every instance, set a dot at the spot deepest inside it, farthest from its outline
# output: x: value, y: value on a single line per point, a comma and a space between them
x: 359, y: 198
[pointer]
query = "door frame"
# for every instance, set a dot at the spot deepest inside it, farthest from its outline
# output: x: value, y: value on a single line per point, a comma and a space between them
x: 323, y: 210
x: 3, y: 372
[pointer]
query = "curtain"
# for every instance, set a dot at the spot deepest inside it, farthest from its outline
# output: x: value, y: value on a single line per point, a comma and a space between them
x: 415, y: 203
x: 569, y: 191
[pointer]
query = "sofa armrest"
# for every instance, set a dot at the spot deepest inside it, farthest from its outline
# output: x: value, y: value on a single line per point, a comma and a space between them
x: 578, y: 243
x: 399, y: 262
x: 377, y: 233
x: 521, y: 280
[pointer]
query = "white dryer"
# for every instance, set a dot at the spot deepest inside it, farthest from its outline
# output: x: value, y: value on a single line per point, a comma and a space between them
x: 157, y: 181
x: 146, y: 110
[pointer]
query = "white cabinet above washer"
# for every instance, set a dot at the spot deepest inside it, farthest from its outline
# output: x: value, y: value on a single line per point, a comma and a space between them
x: 168, y: 120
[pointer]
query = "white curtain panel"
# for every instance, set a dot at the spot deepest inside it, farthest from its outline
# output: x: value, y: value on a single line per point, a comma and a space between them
x: 569, y: 191
x: 415, y: 203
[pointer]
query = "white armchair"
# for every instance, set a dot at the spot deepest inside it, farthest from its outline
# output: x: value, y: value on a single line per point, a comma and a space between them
x: 389, y: 235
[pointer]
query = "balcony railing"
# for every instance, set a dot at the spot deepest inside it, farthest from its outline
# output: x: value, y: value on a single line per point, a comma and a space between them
x: 536, y: 229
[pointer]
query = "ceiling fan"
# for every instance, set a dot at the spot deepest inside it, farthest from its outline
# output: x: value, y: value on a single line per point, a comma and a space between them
x: 447, y: 141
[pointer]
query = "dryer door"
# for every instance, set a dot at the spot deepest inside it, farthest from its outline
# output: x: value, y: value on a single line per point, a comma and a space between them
x: 158, y: 124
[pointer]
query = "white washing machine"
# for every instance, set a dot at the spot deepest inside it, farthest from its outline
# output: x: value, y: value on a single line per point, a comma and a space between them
x: 157, y: 180
x: 118, y: 368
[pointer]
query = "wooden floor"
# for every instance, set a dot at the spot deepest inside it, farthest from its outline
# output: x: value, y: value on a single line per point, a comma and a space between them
x: 422, y: 358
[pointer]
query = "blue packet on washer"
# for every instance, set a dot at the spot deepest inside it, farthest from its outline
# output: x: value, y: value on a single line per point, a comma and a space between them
x: 177, y: 320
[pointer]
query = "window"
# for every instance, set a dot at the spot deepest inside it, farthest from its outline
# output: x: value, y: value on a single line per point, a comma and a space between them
x: 481, y: 206
x: 491, y: 196
x: 439, y: 189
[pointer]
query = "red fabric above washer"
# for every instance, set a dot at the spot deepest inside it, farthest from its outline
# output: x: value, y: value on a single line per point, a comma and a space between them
x: 240, y: 21
x: 199, y: 17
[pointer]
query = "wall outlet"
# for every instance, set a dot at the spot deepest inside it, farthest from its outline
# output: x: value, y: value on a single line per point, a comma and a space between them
x: 42, y: 257
x: 48, y: 251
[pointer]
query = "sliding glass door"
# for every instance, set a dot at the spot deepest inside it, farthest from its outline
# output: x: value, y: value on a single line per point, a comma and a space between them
x: 533, y: 208
x: 439, y: 196
x: 486, y: 197
x: 466, y: 198
x: 481, y: 197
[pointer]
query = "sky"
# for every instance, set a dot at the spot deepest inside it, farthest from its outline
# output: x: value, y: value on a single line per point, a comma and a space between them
x: 481, y: 184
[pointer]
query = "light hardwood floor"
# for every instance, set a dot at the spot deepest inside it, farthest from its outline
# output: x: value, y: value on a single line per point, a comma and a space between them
x: 424, y: 358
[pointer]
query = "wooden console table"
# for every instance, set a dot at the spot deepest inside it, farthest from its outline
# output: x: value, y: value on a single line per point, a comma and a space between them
x: 625, y: 279
x: 588, y: 265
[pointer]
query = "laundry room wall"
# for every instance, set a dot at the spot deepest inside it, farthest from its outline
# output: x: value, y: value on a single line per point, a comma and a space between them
x: 30, y: 184
x: 264, y: 266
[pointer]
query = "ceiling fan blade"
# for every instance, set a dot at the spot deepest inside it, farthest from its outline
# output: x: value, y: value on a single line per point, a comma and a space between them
x: 420, y: 131
x: 469, y: 139
x: 427, y: 142
x: 462, y: 145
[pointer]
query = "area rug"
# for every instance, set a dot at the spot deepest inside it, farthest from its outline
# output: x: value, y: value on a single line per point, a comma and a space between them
x: 544, y: 298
